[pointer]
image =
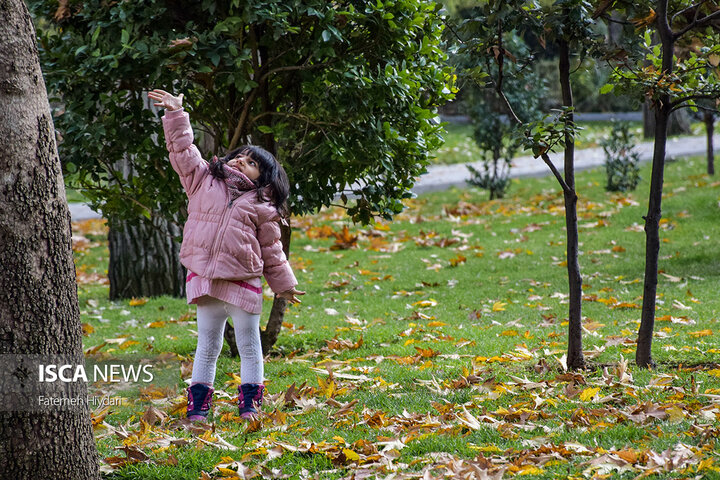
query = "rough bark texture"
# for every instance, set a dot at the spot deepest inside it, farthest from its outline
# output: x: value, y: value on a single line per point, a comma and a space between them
x: 575, y: 359
x: 144, y: 257
x: 643, y: 355
x: 145, y: 260
x: 709, y: 119
x: 39, y: 312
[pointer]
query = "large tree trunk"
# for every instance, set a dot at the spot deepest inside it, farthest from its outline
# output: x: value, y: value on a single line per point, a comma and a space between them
x: 145, y: 260
x: 643, y: 354
x: 575, y: 359
x: 39, y: 314
x: 144, y: 255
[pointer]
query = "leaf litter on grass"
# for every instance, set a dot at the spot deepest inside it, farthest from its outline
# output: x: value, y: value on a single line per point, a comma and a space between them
x: 370, y: 408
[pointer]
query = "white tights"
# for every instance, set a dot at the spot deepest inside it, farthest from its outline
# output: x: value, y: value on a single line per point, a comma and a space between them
x: 211, y: 317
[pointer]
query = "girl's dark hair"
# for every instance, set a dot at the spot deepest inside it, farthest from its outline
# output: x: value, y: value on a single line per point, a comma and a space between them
x: 272, y: 175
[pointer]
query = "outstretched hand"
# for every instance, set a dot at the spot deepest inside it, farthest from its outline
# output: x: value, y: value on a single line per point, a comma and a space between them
x: 166, y: 100
x: 290, y: 295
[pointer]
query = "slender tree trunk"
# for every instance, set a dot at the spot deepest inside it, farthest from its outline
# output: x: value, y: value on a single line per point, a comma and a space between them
x: 272, y: 330
x: 39, y: 314
x: 710, y: 131
x: 145, y: 260
x: 575, y: 359
x: 269, y: 335
x: 643, y: 355
x: 678, y: 122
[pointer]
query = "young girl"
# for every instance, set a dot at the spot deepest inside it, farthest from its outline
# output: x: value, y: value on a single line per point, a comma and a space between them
x: 231, y: 239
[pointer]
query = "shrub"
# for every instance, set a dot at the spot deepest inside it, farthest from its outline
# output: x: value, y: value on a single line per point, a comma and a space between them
x: 621, y: 160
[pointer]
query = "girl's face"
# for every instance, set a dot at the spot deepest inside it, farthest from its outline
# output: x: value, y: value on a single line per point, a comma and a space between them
x: 243, y: 163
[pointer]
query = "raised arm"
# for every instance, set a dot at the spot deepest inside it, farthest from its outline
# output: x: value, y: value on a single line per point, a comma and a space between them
x: 184, y: 155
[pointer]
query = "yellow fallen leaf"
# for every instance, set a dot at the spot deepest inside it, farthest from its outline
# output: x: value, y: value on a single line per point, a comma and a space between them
x: 675, y: 414
x: 426, y: 303
x: 135, y: 302
x: 627, y: 305
x: 509, y: 333
x: 437, y: 324
x: 487, y: 448
x: 227, y: 473
x: 366, y: 272
x: 350, y: 455
x: 498, y: 306
x: 588, y: 394
x: 530, y: 470
x: 715, y: 372
x: 87, y: 329
x: 128, y: 343
x: 158, y: 324
x: 701, y: 333
x: 706, y: 464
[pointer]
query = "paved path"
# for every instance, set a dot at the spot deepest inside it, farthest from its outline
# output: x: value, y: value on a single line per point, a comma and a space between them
x: 80, y: 211
x: 442, y: 177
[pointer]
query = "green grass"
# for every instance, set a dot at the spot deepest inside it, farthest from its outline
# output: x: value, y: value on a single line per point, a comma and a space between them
x: 447, y: 351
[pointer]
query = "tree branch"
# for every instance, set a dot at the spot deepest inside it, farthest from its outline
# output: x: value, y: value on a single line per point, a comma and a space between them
x: 688, y: 9
x: 714, y: 111
x: 677, y: 103
x: 557, y: 174
x: 454, y: 32
x: 293, y: 68
x: 696, y: 24
x: 248, y: 103
x: 509, y: 108
x: 292, y: 115
x: 609, y: 18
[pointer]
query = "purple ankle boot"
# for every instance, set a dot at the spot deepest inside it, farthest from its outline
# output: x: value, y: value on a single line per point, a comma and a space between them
x: 250, y: 397
x: 199, y: 401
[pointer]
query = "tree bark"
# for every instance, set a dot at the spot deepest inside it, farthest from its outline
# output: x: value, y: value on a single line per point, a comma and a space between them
x: 144, y: 254
x: 575, y: 359
x: 643, y: 354
x: 272, y: 330
x: 709, y: 119
x: 678, y: 122
x: 145, y: 260
x: 39, y: 313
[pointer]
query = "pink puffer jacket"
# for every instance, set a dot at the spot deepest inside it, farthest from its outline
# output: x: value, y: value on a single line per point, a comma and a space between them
x: 237, y: 241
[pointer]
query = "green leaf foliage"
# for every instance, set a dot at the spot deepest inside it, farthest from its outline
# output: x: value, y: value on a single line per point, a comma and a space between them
x: 345, y: 93
x: 638, y: 61
x: 621, y: 159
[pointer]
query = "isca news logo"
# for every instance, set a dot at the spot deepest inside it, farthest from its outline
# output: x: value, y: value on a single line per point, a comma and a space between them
x: 113, y: 373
